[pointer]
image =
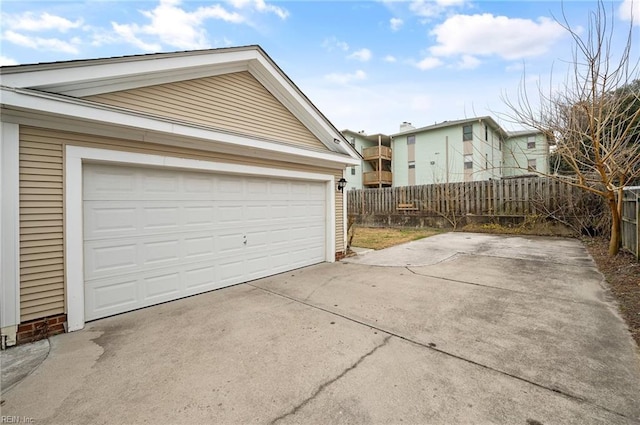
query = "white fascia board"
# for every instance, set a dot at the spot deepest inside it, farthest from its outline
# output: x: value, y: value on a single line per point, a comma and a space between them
x: 81, y: 73
x: 281, y: 88
x: 85, y: 111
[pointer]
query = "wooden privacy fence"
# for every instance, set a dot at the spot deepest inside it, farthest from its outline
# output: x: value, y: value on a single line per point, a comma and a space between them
x: 508, y: 197
x: 631, y: 220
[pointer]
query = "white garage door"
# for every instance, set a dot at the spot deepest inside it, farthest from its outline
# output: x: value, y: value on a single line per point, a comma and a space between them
x: 154, y: 235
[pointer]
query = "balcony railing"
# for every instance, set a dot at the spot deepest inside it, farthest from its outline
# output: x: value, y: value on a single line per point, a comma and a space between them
x: 374, y: 178
x: 376, y: 152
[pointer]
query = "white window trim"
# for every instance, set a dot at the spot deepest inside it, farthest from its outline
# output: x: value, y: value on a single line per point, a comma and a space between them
x: 74, y: 157
x: 9, y: 231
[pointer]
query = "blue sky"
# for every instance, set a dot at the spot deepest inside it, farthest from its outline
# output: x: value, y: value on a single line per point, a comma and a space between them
x: 368, y: 65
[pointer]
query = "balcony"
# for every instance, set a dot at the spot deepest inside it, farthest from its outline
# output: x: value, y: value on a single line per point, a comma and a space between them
x: 376, y: 178
x: 375, y: 152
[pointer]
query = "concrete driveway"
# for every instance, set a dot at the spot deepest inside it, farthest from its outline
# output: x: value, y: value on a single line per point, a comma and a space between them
x: 456, y: 328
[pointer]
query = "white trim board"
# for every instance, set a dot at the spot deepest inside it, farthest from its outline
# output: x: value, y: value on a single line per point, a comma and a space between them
x: 9, y: 231
x: 75, y: 156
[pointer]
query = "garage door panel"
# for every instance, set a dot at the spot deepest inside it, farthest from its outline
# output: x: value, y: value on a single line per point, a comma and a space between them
x: 156, y: 182
x: 162, y: 286
x: 258, y: 266
x: 153, y: 235
x: 198, y: 185
x: 102, y: 182
x: 197, y: 247
x: 110, y: 259
x: 231, y: 272
x: 230, y: 214
x: 167, y: 218
x: 110, y: 220
x: 107, y: 257
x: 200, y: 277
x: 230, y: 243
x: 258, y: 213
x: 229, y: 189
x: 279, y: 212
x: 199, y: 215
x: 163, y: 251
x: 110, y: 298
x: 257, y: 189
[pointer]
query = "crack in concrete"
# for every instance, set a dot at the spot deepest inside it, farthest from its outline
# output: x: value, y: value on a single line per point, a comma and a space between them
x: 560, y: 392
x: 322, y: 285
x: 317, y: 392
x: 588, y: 303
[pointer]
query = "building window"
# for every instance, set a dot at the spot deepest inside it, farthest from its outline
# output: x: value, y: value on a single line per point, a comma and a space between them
x: 468, y: 162
x: 412, y: 164
x: 467, y: 132
x: 531, y: 165
x: 352, y: 141
x: 353, y: 171
x: 411, y: 140
x: 486, y: 132
x: 531, y: 142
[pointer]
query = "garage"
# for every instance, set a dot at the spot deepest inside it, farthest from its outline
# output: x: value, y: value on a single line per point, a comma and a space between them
x: 152, y: 235
x: 137, y: 180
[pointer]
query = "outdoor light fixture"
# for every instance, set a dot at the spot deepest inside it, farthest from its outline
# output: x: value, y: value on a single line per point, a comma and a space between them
x: 341, y: 184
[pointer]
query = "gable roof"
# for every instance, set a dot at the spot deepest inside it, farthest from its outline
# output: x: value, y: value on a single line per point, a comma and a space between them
x: 41, y: 86
x: 487, y: 119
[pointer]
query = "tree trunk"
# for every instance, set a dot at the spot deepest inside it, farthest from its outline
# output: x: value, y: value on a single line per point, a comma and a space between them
x: 615, y: 240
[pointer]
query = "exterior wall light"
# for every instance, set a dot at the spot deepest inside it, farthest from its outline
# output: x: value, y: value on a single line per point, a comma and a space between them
x: 342, y: 183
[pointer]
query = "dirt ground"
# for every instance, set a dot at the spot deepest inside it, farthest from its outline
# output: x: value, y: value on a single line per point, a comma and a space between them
x: 623, y: 276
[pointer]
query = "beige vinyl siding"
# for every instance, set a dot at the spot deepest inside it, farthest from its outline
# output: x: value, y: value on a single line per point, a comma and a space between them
x: 42, y: 211
x: 41, y: 226
x: 236, y: 102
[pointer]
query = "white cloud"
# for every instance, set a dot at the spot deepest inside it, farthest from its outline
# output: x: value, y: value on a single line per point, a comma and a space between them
x: 337, y: 78
x: 128, y: 33
x: 5, y: 61
x: 449, y: 3
x: 333, y: 43
x: 431, y: 8
x: 509, y: 38
x: 390, y: 59
x: 429, y: 63
x: 395, y: 23
x: 41, y: 43
x: 174, y: 26
x: 630, y: 9
x: 518, y: 66
x: 468, y: 62
x: 261, y: 6
x: 363, y: 55
x: 44, y: 22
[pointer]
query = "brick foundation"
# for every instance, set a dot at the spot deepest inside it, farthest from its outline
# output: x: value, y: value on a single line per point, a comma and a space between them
x: 38, y: 329
x: 340, y: 255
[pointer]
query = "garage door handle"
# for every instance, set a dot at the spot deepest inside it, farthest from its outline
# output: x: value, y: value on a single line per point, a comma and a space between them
x: 245, y: 240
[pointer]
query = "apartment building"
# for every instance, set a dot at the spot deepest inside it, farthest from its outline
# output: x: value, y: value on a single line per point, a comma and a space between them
x: 471, y: 149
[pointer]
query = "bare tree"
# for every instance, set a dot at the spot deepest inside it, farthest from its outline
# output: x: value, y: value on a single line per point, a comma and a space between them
x: 594, y: 117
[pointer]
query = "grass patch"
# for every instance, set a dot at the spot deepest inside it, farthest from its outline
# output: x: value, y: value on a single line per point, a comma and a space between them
x: 382, y: 237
